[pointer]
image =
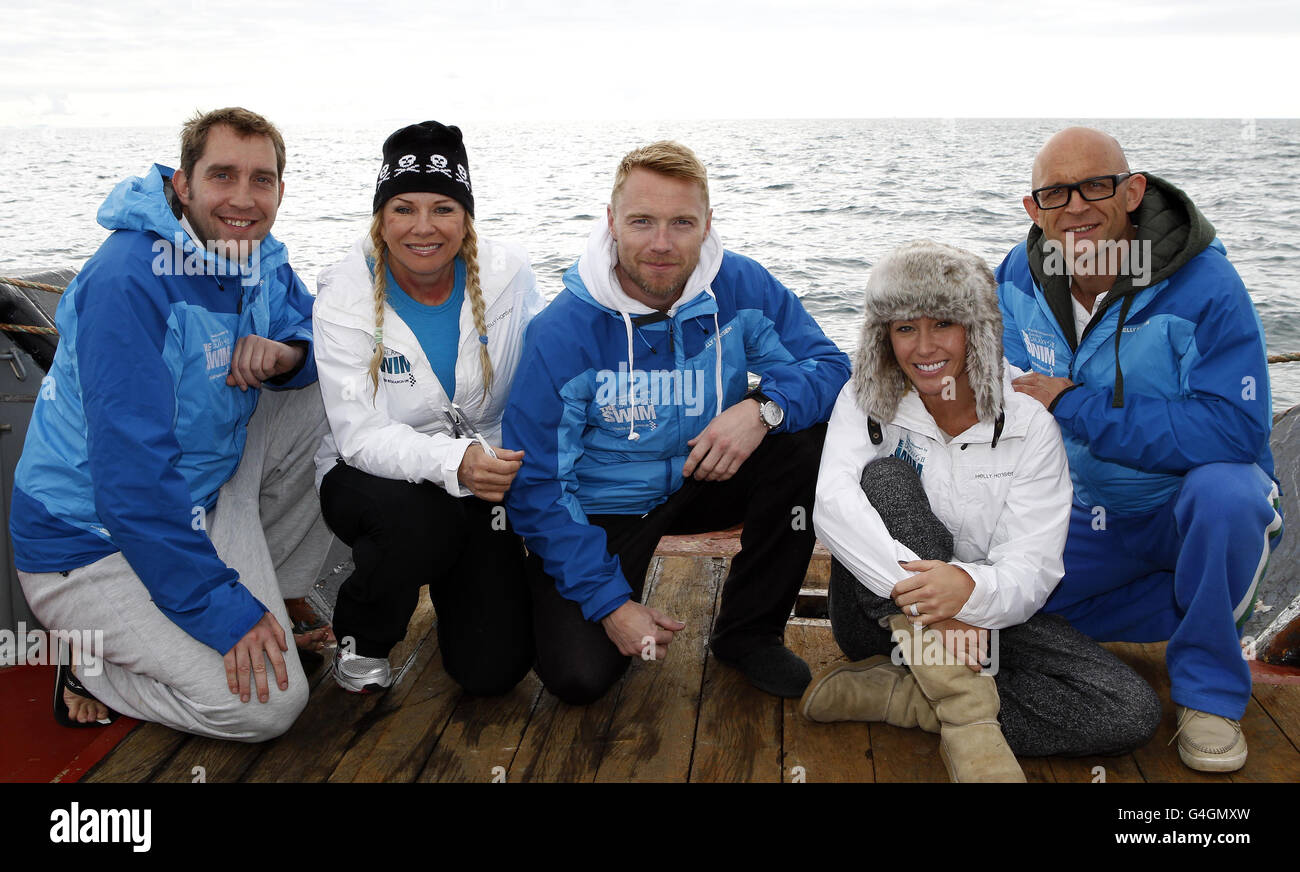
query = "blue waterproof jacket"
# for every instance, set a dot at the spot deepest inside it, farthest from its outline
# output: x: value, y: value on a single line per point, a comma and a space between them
x: 603, y: 403
x: 135, y: 429
x: 1169, y: 376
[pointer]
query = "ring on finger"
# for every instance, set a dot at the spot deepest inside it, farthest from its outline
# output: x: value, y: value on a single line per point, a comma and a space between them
x: 915, y: 611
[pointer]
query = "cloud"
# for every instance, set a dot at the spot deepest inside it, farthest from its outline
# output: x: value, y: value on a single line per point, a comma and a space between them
x: 74, y: 63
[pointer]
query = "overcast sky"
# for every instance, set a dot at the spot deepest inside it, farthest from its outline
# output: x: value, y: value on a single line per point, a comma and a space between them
x: 78, y: 63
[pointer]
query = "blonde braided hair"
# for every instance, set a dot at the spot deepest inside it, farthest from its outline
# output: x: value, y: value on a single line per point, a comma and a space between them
x: 469, y: 254
x: 380, y: 278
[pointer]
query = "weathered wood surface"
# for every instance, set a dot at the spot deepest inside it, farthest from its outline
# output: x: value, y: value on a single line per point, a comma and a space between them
x: 687, y: 718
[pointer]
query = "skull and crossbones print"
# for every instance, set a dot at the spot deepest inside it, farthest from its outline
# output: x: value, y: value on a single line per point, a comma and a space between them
x: 406, y: 165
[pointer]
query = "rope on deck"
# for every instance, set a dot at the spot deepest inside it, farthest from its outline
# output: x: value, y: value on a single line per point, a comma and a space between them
x: 35, y: 286
x: 26, y: 328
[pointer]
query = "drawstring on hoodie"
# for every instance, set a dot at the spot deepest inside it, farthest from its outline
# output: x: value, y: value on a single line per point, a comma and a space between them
x: 597, y: 277
x: 1118, y: 401
x: 632, y: 435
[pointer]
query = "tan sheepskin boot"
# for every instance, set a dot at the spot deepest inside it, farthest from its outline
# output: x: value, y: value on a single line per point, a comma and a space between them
x: 971, y: 742
x: 872, y: 690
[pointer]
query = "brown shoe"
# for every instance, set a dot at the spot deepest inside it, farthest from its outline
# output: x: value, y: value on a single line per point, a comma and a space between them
x: 971, y: 742
x: 872, y: 690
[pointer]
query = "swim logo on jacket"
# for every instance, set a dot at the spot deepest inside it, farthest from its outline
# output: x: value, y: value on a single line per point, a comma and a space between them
x: 396, y: 364
x: 622, y: 396
x: 1041, y: 346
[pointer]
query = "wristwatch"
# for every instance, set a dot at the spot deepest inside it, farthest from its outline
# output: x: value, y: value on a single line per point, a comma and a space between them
x: 768, y: 411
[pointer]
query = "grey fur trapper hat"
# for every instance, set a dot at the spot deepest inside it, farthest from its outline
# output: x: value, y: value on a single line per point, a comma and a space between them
x: 929, y: 279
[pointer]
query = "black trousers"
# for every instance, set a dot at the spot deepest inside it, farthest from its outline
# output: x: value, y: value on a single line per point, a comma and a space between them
x: 772, y: 494
x: 1062, y: 694
x: 405, y: 536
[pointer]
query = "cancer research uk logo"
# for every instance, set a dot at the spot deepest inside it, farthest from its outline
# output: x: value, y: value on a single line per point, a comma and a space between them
x: 625, y: 396
x: 224, y: 258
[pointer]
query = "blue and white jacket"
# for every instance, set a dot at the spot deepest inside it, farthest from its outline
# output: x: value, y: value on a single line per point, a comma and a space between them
x: 135, y: 429
x: 609, y: 391
x: 1169, y: 376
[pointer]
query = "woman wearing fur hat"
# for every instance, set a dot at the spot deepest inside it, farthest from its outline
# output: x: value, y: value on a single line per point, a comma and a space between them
x: 418, y: 332
x: 944, y: 498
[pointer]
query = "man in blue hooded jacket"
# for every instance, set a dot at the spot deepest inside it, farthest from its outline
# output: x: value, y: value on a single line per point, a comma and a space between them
x: 1140, y: 338
x: 164, y: 498
x: 632, y: 408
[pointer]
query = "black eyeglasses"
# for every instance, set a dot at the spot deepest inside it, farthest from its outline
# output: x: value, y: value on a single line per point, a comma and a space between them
x: 1095, y: 188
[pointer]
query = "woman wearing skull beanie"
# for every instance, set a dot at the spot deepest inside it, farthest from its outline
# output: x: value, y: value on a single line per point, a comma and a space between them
x: 418, y: 332
x: 944, y: 498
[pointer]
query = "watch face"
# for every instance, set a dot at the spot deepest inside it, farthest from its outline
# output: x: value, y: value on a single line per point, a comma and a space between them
x: 771, y: 413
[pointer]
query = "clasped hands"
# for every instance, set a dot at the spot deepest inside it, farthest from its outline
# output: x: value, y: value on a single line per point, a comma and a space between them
x: 939, y: 590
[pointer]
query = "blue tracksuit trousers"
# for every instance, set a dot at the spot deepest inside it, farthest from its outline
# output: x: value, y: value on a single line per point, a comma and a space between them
x: 1187, y: 572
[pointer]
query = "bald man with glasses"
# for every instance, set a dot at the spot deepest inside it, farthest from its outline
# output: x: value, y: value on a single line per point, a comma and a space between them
x: 1136, y: 332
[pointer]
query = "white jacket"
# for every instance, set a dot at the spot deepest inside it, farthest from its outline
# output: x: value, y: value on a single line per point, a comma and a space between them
x: 1008, y: 507
x: 402, y: 433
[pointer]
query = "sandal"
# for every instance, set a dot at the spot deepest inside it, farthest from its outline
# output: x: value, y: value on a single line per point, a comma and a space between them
x: 65, y: 680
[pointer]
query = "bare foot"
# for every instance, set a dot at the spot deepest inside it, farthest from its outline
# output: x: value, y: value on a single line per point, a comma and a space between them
x: 83, y: 710
x: 302, y: 614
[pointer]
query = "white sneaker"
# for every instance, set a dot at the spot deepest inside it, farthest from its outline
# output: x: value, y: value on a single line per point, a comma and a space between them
x: 1210, y: 743
x: 361, y: 674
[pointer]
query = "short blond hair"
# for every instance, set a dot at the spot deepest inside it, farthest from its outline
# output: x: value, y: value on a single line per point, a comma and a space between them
x: 666, y: 158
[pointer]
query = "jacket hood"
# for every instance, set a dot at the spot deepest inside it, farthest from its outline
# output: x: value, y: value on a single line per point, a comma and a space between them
x: 601, y: 284
x: 929, y: 279
x: 1166, y: 219
x: 345, y: 291
x: 148, y: 204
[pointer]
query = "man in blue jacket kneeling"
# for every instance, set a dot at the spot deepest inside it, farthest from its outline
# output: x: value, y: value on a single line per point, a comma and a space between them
x: 1144, y: 344
x: 633, y: 410
x: 164, y: 501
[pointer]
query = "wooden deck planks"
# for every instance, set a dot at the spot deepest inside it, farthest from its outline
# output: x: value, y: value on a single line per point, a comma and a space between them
x: 217, y: 761
x: 821, y: 752
x: 1099, y: 770
x: 397, y: 746
x: 1282, y: 703
x: 652, y: 733
x: 139, y: 756
x: 687, y: 718
x: 566, y: 743
x: 483, y: 736
x: 209, y: 760
x: 335, y: 720
x: 1271, y: 756
x: 739, y: 733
